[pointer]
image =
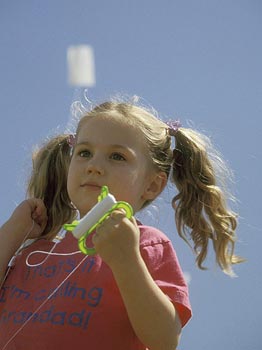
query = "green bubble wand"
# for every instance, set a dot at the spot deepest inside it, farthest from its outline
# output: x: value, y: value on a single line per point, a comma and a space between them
x: 83, y: 228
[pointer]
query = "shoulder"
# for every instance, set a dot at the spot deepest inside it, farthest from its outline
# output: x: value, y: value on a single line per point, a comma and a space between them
x: 159, y: 254
x: 150, y: 236
x: 155, y: 246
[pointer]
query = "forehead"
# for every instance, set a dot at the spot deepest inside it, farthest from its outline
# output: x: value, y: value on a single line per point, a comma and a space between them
x: 104, y: 129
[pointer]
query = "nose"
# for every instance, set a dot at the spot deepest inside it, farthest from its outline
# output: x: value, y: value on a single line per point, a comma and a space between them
x: 95, y: 166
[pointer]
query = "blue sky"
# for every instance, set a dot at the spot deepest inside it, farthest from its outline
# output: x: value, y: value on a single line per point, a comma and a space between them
x: 199, y: 61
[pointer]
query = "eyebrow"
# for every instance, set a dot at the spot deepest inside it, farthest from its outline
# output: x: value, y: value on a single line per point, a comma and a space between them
x: 86, y: 143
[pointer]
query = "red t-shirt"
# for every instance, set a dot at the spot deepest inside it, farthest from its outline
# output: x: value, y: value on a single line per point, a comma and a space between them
x: 40, y: 311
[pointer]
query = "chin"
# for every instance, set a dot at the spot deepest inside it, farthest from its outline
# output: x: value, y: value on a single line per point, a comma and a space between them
x: 83, y: 211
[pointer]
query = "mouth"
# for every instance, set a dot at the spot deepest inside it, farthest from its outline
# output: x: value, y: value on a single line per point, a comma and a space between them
x: 91, y: 186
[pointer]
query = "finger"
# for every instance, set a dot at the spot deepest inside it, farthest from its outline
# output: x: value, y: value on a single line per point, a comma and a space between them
x: 39, y: 209
x: 43, y: 223
x: 133, y: 220
x: 40, y: 220
x: 39, y: 215
x: 34, y: 203
x: 118, y: 214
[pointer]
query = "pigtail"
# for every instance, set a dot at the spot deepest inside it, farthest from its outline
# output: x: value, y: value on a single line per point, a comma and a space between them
x: 48, y: 182
x: 200, y: 206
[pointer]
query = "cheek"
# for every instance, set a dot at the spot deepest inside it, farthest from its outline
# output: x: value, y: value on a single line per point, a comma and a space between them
x: 70, y: 181
x: 129, y: 190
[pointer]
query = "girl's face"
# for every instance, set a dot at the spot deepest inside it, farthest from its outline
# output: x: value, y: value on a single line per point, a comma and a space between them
x: 109, y: 152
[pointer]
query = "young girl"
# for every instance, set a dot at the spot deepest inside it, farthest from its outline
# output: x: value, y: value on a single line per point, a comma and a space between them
x: 131, y: 294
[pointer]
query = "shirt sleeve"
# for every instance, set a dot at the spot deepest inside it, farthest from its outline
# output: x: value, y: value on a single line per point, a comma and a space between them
x: 163, y: 265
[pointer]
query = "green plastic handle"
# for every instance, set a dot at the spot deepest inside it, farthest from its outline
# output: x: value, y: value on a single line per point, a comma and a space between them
x: 82, y: 240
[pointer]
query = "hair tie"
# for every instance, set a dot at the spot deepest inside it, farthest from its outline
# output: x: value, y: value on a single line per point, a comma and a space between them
x: 71, y: 140
x: 173, y: 126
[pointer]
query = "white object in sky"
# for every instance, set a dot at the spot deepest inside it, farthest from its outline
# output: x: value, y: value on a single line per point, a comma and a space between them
x: 81, y: 66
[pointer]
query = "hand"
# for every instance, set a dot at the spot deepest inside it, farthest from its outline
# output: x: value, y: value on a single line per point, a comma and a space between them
x: 117, y: 239
x: 29, y: 211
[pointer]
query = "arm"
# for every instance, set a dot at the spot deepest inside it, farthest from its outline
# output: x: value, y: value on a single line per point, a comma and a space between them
x: 15, y: 229
x: 152, y: 315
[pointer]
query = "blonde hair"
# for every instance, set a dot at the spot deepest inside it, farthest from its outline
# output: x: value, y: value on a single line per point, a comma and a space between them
x: 201, y: 211
x: 48, y: 181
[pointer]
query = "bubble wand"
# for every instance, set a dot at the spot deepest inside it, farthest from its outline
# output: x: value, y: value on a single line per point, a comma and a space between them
x: 83, y: 228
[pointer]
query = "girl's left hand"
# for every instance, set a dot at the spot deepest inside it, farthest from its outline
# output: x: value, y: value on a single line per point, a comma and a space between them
x: 117, y: 239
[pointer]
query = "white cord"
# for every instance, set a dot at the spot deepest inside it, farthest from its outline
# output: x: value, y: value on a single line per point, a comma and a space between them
x: 48, y: 254
x: 58, y: 238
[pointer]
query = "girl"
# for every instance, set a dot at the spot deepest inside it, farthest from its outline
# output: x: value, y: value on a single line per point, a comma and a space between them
x: 132, y: 294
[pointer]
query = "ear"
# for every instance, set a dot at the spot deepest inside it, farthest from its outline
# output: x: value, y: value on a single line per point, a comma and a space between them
x: 155, y: 185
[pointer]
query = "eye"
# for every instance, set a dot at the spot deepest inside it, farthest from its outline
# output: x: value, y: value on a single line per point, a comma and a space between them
x: 84, y: 153
x: 117, y: 156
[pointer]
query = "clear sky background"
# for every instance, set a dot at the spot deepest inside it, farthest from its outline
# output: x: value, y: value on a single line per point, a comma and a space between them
x: 193, y: 59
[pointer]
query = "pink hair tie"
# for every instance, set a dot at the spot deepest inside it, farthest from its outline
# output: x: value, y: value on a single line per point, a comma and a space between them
x: 173, y: 126
x: 71, y: 140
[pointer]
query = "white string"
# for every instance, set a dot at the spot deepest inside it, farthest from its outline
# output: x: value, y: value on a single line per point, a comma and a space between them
x: 48, y: 254
x: 58, y: 238
x: 43, y: 303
